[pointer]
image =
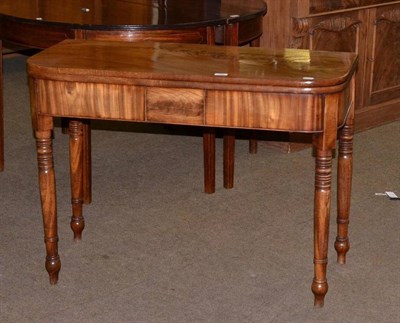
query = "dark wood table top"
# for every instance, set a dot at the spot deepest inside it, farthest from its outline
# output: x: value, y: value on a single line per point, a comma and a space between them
x: 97, y: 14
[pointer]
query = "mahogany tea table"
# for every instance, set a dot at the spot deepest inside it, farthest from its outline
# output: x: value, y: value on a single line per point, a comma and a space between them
x: 197, y: 85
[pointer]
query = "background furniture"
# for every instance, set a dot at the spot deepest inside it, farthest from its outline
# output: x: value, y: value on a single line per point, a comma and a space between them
x: 42, y: 23
x: 370, y: 28
x: 188, y: 84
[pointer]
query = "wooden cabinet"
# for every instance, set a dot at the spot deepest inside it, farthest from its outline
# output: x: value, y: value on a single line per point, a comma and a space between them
x: 369, y: 27
x: 383, y: 55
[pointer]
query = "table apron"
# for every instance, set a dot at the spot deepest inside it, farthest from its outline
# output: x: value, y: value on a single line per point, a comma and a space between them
x: 188, y: 106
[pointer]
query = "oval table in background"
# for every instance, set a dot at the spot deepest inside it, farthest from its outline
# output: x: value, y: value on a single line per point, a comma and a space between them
x: 42, y: 23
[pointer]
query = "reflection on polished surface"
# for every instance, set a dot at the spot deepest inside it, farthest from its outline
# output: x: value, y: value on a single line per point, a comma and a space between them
x: 285, y: 67
x: 132, y: 12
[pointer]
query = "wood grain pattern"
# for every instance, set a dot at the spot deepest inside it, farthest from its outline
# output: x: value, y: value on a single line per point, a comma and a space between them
x: 181, y: 65
x: 105, y: 101
x: 367, y: 27
x: 264, y: 111
x: 174, y: 105
x: 384, y: 81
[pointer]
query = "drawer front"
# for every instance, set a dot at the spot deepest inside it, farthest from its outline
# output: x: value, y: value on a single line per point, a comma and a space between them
x: 88, y: 100
x: 269, y: 111
x: 175, y: 105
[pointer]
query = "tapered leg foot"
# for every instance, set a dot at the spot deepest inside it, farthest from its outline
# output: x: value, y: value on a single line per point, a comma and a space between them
x: 77, y: 226
x: 342, y: 245
x: 319, y: 289
x: 53, y: 266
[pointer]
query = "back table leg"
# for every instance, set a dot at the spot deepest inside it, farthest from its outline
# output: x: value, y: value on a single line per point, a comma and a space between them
x: 345, y: 172
x: 229, y: 158
x: 342, y: 244
x: 209, y: 160
x: 76, y: 148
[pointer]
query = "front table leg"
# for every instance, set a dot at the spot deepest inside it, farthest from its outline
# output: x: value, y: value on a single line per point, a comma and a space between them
x: 322, y: 201
x: 47, y: 186
x: 76, y: 150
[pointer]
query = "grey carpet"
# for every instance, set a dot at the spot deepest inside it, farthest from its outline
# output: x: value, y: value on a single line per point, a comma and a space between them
x: 157, y: 249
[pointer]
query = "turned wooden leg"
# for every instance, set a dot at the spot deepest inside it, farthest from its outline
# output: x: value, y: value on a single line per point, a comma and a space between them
x: 345, y: 166
x: 76, y: 169
x: 87, y: 157
x: 322, y: 201
x: 47, y: 188
x: 345, y: 173
x: 229, y: 158
x: 87, y: 162
x: 209, y: 160
x: 1, y: 111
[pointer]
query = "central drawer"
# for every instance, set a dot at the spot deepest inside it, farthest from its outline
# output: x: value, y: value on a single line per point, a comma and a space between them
x: 175, y: 105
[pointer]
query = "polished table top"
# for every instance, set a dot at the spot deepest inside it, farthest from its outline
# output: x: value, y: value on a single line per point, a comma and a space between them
x: 203, y: 71
x: 95, y: 14
x: 307, y: 71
